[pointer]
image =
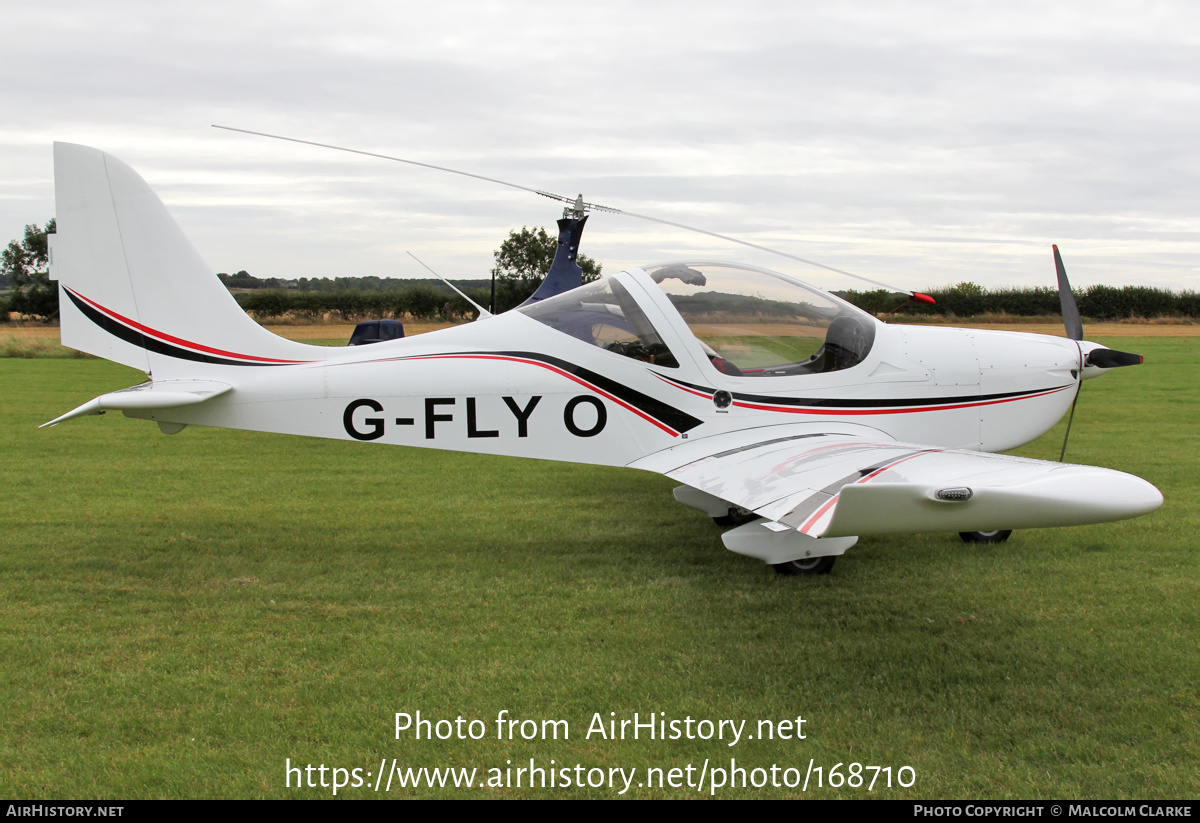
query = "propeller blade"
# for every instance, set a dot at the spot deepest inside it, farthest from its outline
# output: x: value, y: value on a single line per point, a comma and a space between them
x: 1111, y: 359
x: 1070, y: 311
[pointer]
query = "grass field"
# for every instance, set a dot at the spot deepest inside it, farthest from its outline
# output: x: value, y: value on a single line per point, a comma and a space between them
x: 179, y: 616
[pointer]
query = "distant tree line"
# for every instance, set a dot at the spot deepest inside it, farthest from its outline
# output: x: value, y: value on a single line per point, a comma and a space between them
x: 521, y: 262
x: 244, y: 281
x: 355, y: 298
x: 422, y: 301
x: 435, y: 300
x: 1095, y: 302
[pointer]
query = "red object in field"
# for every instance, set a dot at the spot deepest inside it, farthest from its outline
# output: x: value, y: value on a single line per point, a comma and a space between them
x: 923, y: 298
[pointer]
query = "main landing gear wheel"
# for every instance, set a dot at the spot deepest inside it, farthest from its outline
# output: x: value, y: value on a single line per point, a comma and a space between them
x: 807, y: 565
x: 736, y: 517
x: 997, y: 536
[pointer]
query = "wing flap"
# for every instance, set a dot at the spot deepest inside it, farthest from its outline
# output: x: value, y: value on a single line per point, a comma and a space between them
x: 771, y: 470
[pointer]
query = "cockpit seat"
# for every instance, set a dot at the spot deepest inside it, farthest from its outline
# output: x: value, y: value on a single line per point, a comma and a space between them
x: 846, y: 343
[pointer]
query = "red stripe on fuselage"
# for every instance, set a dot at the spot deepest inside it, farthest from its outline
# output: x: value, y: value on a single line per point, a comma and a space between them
x: 688, y: 389
x: 179, y: 341
x: 966, y: 404
x: 911, y: 410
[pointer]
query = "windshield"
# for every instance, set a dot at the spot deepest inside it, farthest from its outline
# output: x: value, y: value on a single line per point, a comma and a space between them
x: 756, y: 323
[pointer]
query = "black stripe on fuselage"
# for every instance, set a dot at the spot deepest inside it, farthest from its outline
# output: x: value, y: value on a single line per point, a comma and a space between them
x: 665, y: 413
x: 867, y: 403
x: 144, y: 341
x: 677, y: 419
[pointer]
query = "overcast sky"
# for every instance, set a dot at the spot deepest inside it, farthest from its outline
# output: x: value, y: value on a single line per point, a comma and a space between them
x: 915, y: 143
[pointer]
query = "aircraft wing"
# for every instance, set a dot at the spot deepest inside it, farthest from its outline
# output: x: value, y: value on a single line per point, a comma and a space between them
x: 852, y: 480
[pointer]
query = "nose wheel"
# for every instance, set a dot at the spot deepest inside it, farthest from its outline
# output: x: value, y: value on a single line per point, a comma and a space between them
x: 997, y: 536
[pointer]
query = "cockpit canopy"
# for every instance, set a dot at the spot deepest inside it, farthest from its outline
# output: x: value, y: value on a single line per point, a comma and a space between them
x: 749, y: 322
x: 754, y: 322
x: 604, y: 314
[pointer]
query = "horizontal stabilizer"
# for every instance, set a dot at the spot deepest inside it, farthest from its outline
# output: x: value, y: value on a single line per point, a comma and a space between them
x: 163, y: 394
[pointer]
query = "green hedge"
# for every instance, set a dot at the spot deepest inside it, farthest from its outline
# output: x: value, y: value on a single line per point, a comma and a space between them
x: 1095, y: 302
x: 963, y: 300
x: 421, y: 302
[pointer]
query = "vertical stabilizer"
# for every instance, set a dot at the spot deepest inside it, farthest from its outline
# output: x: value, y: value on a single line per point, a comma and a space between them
x: 132, y: 287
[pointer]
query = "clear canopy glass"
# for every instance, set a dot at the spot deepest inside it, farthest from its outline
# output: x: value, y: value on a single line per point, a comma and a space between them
x: 604, y: 314
x: 756, y: 323
x: 749, y: 322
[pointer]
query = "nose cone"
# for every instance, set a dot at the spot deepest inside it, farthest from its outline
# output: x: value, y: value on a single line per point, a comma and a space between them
x: 1099, y: 360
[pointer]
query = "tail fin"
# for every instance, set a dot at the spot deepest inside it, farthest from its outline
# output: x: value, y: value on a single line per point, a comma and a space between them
x: 132, y: 287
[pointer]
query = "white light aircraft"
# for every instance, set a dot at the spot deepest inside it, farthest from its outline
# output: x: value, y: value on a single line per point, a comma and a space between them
x: 772, y: 403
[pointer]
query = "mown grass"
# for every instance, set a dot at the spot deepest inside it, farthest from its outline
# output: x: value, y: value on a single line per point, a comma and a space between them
x: 179, y: 615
